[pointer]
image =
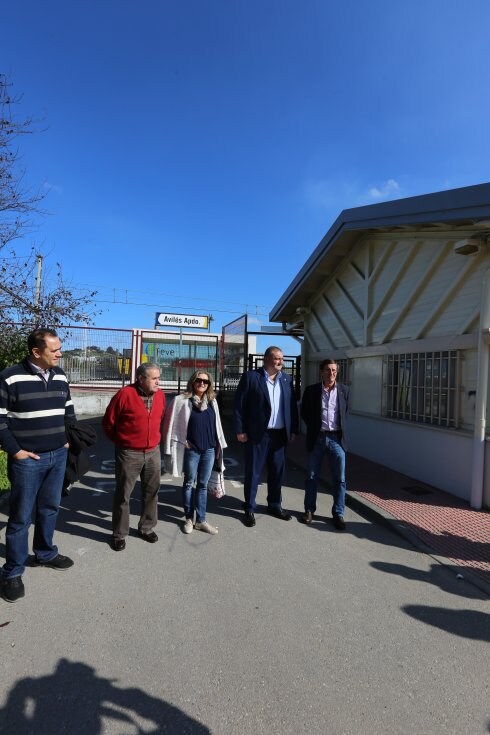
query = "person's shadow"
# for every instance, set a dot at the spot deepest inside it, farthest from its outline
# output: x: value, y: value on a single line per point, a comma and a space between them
x: 75, y: 700
x: 471, y: 624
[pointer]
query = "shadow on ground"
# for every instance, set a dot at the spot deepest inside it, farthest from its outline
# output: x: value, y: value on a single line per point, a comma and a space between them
x: 75, y: 700
x: 465, y: 623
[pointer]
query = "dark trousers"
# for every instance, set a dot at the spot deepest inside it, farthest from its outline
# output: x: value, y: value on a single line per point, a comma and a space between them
x: 35, y: 487
x: 269, y: 451
x: 130, y: 465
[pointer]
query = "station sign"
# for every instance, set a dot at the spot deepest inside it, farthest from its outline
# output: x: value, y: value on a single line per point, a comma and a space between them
x: 182, y: 321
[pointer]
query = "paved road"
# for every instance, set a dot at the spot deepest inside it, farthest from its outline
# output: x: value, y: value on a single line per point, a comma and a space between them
x: 277, y: 629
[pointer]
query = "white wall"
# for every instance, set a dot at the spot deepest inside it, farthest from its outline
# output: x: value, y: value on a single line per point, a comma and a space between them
x: 91, y: 403
x: 438, y: 457
x: 366, y: 379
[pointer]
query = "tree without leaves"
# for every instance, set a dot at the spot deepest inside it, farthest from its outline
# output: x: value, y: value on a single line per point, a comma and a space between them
x: 17, y: 203
x: 19, y: 208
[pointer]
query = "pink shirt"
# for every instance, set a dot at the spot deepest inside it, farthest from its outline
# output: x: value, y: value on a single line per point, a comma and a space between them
x: 330, y: 411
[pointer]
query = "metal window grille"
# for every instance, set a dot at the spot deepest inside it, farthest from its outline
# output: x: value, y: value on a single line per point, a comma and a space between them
x: 423, y: 387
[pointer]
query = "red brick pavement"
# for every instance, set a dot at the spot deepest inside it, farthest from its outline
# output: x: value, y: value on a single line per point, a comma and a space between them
x: 442, y: 522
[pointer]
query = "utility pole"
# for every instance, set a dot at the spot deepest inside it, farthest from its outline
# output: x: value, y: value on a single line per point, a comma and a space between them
x: 39, y: 274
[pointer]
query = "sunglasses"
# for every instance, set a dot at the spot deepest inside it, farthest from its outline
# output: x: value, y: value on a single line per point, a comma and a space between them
x: 202, y: 380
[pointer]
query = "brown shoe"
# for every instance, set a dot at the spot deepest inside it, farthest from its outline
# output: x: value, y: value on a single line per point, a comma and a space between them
x: 307, y: 518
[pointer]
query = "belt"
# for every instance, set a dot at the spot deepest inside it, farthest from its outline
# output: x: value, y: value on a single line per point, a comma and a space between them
x: 337, y: 431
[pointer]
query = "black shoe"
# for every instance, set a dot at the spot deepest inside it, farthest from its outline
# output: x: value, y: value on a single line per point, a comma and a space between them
x: 249, y: 519
x: 13, y: 589
x: 283, y: 515
x: 339, y: 523
x: 151, y: 537
x: 59, y: 562
x: 307, y: 518
x: 118, y: 544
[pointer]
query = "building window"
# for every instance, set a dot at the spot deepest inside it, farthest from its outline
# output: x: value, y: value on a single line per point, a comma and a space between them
x: 423, y: 387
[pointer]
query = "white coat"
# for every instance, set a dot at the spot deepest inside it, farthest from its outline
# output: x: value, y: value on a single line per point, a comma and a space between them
x: 175, y: 433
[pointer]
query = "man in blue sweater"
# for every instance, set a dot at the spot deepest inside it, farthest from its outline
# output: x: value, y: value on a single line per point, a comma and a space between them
x: 34, y: 402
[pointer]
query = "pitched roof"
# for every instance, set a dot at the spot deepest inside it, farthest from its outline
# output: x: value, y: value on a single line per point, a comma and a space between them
x: 464, y: 208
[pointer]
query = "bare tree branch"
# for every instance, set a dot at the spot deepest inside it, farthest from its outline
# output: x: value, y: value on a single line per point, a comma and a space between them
x: 20, y: 208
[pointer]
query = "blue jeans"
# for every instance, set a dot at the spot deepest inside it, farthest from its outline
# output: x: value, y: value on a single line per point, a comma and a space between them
x: 329, y: 443
x: 35, y: 485
x: 197, y: 463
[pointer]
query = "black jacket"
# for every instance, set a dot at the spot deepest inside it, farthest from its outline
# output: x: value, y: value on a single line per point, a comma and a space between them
x: 79, y: 436
x: 311, y: 412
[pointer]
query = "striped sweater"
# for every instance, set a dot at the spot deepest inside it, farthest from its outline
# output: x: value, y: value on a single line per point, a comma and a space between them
x: 33, y: 411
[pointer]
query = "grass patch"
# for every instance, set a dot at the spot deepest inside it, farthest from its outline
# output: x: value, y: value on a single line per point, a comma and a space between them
x: 4, y: 483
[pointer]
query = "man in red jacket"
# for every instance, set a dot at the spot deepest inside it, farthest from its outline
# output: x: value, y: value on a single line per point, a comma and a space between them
x: 133, y: 422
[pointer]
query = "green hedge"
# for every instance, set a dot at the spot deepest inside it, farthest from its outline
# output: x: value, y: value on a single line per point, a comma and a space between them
x: 4, y: 483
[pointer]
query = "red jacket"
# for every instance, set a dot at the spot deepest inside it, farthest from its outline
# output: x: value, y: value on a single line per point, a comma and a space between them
x: 128, y: 424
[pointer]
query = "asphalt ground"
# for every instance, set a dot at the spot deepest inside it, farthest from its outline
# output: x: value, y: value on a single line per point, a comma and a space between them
x: 441, y: 525
x: 281, y: 628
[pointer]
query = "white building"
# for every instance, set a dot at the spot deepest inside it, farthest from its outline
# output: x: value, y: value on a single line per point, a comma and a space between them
x: 399, y: 294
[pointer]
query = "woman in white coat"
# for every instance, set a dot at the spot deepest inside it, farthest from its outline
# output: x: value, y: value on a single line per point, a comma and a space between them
x: 193, y: 434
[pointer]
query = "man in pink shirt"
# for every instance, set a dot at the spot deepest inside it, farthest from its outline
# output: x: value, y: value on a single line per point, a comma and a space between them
x: 324, y: 410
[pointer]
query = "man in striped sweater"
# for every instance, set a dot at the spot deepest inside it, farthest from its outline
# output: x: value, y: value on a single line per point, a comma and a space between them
x: 34, y: 402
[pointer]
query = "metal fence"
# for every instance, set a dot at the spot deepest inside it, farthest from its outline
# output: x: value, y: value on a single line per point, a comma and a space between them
x: 101, y: 357
x: 179, y: 355
x: 96, y: 356
x: 234, y: 350
x: 291, y: 366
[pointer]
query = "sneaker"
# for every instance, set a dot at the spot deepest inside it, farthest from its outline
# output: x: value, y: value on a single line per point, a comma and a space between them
x: 59, y: 562
x: 206, y: 527
x: 188, y: 525
x: 13, y: 589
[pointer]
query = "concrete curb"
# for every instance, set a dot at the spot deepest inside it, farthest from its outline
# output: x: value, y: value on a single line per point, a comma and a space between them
x: 373, y: 512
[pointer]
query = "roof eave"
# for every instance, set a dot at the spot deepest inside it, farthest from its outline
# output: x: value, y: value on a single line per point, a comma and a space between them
x: 468, y: 203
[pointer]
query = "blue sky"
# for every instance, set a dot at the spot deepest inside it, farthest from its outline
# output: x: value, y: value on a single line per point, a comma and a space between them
x: 196, y: 151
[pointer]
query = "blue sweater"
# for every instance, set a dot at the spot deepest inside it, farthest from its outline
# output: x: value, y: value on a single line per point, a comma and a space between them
x: 201, y: 429
x: 33, y: 411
